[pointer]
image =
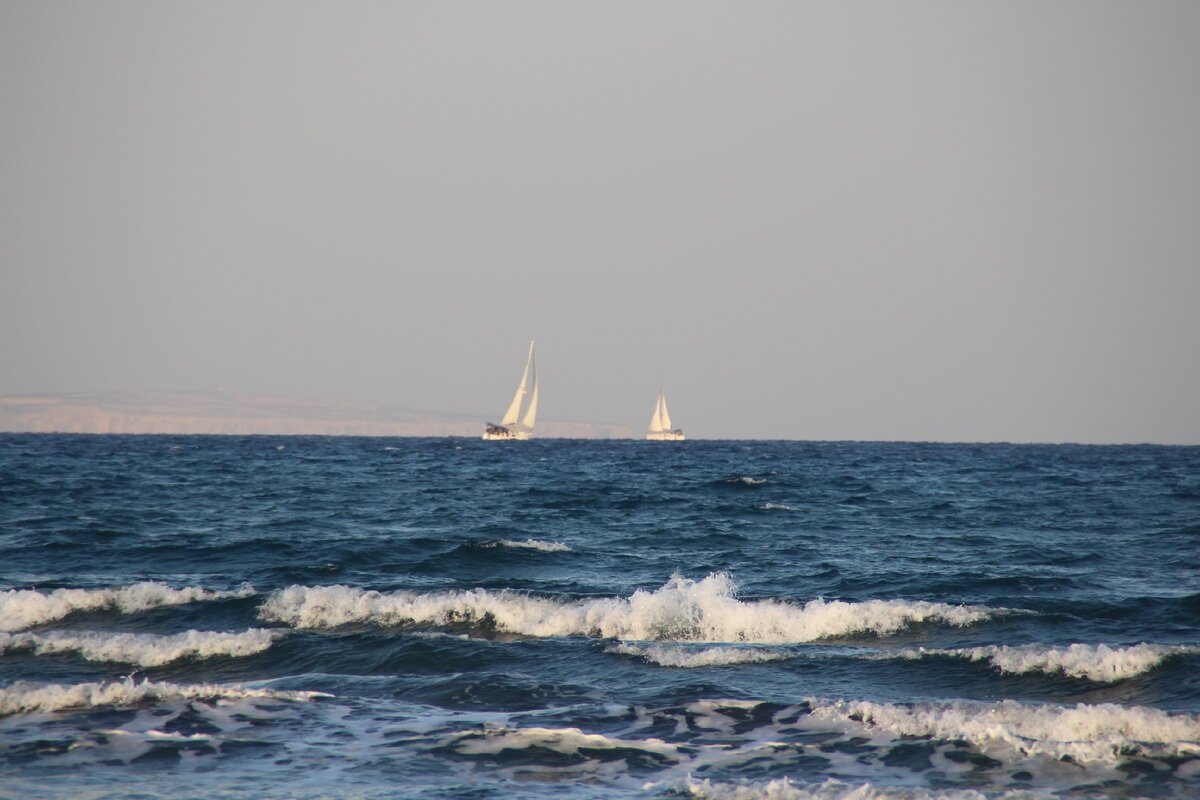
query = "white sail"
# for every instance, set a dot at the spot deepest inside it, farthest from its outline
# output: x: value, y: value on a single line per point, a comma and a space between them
x: 665, y: 417
x: 510, y: 429
x: 661, y: 429
x: 514, y: 408
x: 656, y: 417
x: 531, y: 412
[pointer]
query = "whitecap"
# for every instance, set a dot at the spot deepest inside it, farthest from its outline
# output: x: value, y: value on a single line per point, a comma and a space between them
x: 22, y: 608
x: 1102, y: 732
x: 25, y: 697
x: 562, y: 740
x: 530, y: 544
x: 143, y: 649
x: 786, y: 789
x: 1100, y: 663
x: 688, y: 657
x: 681, y: 610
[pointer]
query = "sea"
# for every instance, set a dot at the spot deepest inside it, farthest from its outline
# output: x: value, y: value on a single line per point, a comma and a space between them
x: 296, y: 617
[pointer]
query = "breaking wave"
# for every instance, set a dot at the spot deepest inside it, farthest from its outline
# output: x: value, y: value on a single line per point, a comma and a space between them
x: 681, y: 610
x: 687, y: 657
x: 786, y: 789
x: 143, y: 649
x: 530, y: 544
x: 24, y: 697
x: 22, y: 608
x: 561, y: 740
x: 1103, y: 732
x: 1099, y: 663
x: 745, y: 480
x: 824, y: 738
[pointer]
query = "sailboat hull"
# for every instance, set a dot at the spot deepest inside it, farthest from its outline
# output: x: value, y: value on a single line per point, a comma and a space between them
x: 507, y: 436
x: 665, y: 436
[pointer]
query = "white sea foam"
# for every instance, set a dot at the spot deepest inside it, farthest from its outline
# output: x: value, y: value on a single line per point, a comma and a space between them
x: 678, y: 656
x: 681, y: 610
x: 785, y: 789
x: 1099, y: 663
x: 562, y: 740
x: 21, y: 608
x: 775, y: 507
x: 531, y: 544
x: 746, y: 480
x: 1104, y: 732
x: 1063, y: 745
x: 24, y: 697
x: 143, y: 649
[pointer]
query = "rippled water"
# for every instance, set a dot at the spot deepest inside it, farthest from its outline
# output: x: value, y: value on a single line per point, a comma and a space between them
x: 446, y: 618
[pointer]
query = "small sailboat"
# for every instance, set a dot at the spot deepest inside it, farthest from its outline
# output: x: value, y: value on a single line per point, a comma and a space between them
x: 518, y: 426
x: 660, y: 429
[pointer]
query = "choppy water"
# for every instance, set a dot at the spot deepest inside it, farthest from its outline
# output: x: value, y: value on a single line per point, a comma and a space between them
x: 448, y: 618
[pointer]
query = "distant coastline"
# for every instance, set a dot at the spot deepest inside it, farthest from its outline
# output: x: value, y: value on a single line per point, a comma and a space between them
x: 237, y: 414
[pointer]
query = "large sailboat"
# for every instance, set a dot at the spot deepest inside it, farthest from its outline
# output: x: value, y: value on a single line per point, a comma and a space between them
x: 518, y: 426
x: 660, y: 429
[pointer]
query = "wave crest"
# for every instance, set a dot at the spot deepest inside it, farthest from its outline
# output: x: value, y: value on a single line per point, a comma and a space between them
x: 688, y: 657
x: 1100, y: 663
x: 143, y: 649
x: 25, y: 697
x: 530, y: 544
x: 786, y: 789
x: 1103, y: 732
x: 22, y: 608
x: 681, y: 610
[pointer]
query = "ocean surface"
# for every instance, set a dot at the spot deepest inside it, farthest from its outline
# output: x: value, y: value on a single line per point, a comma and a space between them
x: 451, y: 618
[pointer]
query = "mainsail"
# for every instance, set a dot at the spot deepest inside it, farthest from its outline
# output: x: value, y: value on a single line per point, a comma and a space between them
x: 531, y: 412
x: 656, y: 417
x: 514, y: 409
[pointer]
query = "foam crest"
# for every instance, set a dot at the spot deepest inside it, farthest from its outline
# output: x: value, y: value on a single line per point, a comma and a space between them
x: 687, y: 657
x: 24, y: 697
x: 568, y: 741
x: 786, y: 789
x: 531, y: 544
x: 681, y: 610
x: 1105, y: 732
x: 22, y: 608
x: 746, y: 480
x: 146, y: 650
x: 1099, y: 663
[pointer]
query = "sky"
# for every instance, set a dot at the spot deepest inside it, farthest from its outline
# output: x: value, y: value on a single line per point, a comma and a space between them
x: 958, y: 221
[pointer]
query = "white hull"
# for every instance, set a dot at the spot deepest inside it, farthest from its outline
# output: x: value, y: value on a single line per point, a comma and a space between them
x: 507, y: 436
x: 665, y: 436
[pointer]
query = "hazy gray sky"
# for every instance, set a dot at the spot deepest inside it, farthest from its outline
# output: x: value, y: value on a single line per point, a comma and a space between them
x: 952, y: 220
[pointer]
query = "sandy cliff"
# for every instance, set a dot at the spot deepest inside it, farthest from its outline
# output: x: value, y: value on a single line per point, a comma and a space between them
x: 223, y: 413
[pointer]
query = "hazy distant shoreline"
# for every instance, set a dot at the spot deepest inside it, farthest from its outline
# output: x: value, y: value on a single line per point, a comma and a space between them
x: 220, y: 413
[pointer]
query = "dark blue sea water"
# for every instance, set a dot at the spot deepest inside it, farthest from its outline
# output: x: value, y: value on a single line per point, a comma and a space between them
x: 449, y: 618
